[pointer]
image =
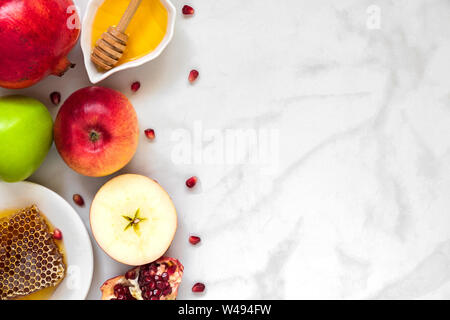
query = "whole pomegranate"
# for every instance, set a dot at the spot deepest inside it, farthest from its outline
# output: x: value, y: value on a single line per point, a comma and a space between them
x: 158, y: 280
x: 35, y: 38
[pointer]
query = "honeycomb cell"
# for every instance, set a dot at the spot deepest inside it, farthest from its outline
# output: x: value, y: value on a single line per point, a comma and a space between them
x: 29, y: 257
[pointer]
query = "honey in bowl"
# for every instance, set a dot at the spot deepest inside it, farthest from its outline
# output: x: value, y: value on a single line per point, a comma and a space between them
x: 146, y: 30
x: 31, y: 261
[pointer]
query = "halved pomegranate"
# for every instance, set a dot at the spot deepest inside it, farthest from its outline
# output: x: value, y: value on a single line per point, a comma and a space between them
x: 158, y: 280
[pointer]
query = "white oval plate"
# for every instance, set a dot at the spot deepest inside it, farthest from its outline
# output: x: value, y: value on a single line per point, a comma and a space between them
x: 96, y: 76
x: 79, y: 256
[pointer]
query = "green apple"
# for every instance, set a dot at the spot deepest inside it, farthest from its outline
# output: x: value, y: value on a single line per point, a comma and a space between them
x: 26, y: 135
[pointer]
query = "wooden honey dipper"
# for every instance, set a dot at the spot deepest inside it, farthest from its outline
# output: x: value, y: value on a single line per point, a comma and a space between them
x: 111, y: 46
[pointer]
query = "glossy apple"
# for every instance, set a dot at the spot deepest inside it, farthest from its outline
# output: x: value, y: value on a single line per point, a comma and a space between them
x: 96, y: 131
x: 25, y: 136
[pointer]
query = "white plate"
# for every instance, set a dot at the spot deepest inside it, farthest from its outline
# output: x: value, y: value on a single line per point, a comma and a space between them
x: 96, y: 76
x: 79, y: 256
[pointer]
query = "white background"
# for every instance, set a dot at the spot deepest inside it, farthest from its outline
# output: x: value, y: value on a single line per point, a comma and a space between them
x: 356, y: 204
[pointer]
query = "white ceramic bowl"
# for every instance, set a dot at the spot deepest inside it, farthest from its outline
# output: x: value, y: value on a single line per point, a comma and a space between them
x: 96, y: 76
x: 79, y: 256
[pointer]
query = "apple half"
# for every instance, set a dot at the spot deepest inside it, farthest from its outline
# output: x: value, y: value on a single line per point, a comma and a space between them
x: 133, y: 219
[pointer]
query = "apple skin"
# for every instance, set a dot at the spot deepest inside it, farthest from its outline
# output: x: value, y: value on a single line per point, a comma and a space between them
x: 96, y: 131
x: 25, y: 137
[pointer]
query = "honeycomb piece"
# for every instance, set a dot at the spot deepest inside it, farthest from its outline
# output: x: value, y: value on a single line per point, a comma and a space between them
x: 29, y: 257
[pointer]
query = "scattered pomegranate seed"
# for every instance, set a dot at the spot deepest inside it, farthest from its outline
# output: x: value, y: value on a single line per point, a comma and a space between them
x: 188, y: 10
x: 57, y: 234
x: 150, y: 134
x: 193, y: 75
x: 78, y: 200
x: 191, y: 182
x: 198, y: 287
x: 55, y: 97
x: 135, y: 86
x: 194, y: 240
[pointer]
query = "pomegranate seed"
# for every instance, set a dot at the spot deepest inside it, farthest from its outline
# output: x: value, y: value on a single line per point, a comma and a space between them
x: 130, y: 275
x: 191, y: 182
x: 146, y: 295
x: 172, y: 269
x: 119, y: 291
x: 193, y: 75
x: 160, y: 285
x: 57, y: 234
x: 188, y: 10
x: 55, y: 97
x: 135, y: 86
x: 157, y: 278
x: 164, y: 276
x: 198, y: 287
x: 194, y: 240
x: 167, y: 291
x: 150, y: 134
x: 154, y: 298
x: 78, y: 200
x: 152, y: 285
x: 147, y: 273
x: 157, y: 292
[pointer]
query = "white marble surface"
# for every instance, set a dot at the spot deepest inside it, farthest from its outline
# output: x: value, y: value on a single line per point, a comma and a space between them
x: 350, y: 195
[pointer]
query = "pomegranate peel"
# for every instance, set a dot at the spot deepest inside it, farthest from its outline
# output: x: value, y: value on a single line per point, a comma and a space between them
x: 61, y: 67
x: 31, y: 51
x: 158, y: 280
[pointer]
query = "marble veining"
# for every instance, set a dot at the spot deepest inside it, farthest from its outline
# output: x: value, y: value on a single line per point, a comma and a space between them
x: 347, y: 104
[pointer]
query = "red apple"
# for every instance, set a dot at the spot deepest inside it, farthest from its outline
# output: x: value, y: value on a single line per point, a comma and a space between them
x: 96, y: 131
